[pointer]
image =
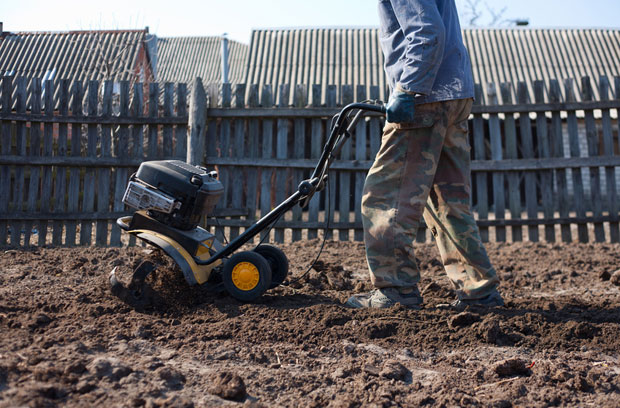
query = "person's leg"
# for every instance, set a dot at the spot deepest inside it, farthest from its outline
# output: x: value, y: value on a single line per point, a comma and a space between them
x: 462, y: 252
x: 394, y: 196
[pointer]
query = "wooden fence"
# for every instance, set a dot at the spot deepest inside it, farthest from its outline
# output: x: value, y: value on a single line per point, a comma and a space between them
x: 543, y: 164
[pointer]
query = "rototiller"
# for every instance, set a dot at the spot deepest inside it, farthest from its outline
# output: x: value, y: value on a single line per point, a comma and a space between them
x: 171, y: 197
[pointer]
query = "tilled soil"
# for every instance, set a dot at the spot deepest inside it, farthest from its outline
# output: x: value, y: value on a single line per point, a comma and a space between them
x: 66, y: 341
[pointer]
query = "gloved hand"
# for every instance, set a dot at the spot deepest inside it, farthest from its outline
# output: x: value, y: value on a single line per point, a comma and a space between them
x: 401, y: 106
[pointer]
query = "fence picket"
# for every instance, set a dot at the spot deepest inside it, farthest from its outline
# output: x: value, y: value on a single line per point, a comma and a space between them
x: 238, y: 151
x: 544, y: 149
x: 361, y: 139
x: 330, y: 195
x: 497, y: 154
x: 74, y: 174
x: 300, y: 99
x: 104, y: 174
x: 20, y: 144
x: 610, y: 173
x: 282, y: 153
x: 180, y: 131
x: 253, y: 153
x: 344, y: 177
x: 5, y: 149
x: 512, y: 178
x: 137, y: 132
x: 35, y: 150
x: 60, y: 182
x: 167, y: 146
x: 48, y: 147
x: 121, y: 173
x: 593, y: 150
x: 573, y: 138
x: 152, y: 149
x: 316, y: 143
x: 224, y: 145
x: 527, y: 147
x: 557, y: 150
x: 88, y: 199
x: 266, y: 153
x: 482, y: 204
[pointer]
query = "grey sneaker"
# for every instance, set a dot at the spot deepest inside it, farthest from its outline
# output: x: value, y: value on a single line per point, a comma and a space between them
x: 386, y: 297
x: 494, y: 299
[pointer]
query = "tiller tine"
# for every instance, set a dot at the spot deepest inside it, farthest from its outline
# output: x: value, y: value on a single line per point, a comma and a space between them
x: 138, y: 293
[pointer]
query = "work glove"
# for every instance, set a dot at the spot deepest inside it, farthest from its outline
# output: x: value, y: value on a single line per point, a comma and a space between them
x: 401, y: 106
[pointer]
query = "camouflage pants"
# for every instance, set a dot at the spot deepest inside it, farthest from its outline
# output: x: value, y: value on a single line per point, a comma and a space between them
x: 427, y: 161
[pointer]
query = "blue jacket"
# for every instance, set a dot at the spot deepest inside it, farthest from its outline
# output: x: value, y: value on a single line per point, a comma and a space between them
x: 424, y: 50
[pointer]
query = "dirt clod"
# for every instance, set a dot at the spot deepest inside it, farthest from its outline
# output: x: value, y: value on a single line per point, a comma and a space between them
x: 462, y: 319
x: 228, y: 385
x: 615, y: 278
x: 511, y: 367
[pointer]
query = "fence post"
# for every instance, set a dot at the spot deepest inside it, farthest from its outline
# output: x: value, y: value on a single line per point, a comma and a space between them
x: 197, y: 123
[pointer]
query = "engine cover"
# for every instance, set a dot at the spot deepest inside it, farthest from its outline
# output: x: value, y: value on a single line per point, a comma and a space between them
x: 174, y: 192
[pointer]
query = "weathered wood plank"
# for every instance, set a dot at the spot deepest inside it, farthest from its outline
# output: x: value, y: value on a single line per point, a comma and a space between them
x: 198, y: 125
x: 544, y: 151
x: 73, y: 192
x: 60, y: 182
x: 327, y: 112
x: 104, y: 173
x: 48, y: 147
x: 477, y: 166
x: 557, y: 150
x: 316, y: 143
x: 224, y: 145
x: 481, y: 223
x: 152, y: 148
x: 573, y: 137
x: 593, y: 151
x: 121, y: 173
x: 35, y: 151
x: 137, y: 132
x: 266, y: 153
x: 252, y: 189
x: 20, y: 145
x: 180, y: 131
x: 482, y: 204
x: 300, y: 99
x: 497, y: 154
x: 361, y: 140
x: 5, y: 149
x: 88, y: 199
x: 510, y: 137
x: 137, y: 110
x: 330, y: 192
x: 527, y: 147
x: 283, y: 126
x: 238, y: 150
x: 100, y: 120
x: 167, y: 147
x: 344, y: 178
x: 610, y: 173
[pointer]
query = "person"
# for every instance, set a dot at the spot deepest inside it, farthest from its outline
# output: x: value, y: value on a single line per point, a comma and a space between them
x: 422, y: 168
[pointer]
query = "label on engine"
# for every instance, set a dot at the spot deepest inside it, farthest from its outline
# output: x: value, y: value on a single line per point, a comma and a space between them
x: 143, y: 197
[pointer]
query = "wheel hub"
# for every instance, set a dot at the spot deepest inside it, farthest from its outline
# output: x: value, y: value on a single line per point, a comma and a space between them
x: 245, y: 276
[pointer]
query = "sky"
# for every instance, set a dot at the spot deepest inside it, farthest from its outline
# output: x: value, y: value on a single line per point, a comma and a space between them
x: 238, y: 17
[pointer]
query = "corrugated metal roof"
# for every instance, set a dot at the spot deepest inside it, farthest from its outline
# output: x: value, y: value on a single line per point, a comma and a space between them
x: 352, y: 56
x: 181, y: 59
x: 73, y: 55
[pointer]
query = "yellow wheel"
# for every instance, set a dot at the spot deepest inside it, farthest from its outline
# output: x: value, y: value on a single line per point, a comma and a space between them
x: 246, y: 276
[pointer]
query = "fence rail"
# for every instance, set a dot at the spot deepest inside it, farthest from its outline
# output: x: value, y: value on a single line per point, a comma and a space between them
x: 543, y: 166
